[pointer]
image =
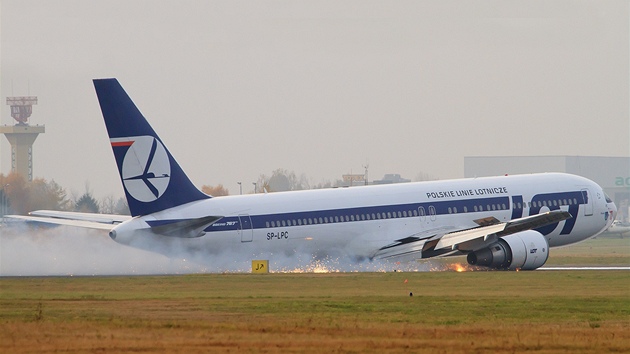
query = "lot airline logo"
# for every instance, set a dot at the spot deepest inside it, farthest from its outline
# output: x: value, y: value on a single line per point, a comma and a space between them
x: 146, y: 170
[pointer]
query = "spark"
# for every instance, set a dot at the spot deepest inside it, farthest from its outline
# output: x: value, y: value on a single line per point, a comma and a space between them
x: 459, y: 267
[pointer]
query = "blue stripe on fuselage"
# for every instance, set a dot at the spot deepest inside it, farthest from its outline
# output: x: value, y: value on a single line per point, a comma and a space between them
x: 572, y: 200
x: 364, y: 213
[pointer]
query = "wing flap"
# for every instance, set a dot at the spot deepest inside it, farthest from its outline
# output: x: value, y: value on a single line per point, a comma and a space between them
x: 445, y: 243
x: 410, y: 248
x: 452, y: 239
x: 403, y: 252
x: 491, y: 232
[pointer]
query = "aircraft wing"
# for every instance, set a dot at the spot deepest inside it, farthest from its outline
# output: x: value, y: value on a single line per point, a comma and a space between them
x: 85, y: 220
x: 445, y: 242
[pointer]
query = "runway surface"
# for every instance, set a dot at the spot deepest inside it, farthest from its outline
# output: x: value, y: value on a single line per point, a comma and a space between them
x: 584, y: 268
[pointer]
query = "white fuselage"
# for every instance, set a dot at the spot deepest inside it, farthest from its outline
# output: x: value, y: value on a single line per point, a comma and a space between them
x: 357, y: 221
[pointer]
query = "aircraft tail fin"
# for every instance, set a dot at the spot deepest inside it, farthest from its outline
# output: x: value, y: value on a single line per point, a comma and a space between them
x: 152, y: 179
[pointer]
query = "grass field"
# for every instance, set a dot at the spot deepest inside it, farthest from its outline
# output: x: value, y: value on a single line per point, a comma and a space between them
x: 449, y: 312
x: 601, y: 251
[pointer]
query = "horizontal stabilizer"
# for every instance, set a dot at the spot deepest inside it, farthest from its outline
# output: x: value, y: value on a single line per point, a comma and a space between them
x: 71, y: 215
x: 184, y: 228
x: 8, y: 219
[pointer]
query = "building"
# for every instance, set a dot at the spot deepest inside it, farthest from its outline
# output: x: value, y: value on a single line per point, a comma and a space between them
x: 391, y: 178
x: 350, y: 180
x: 612, y: 173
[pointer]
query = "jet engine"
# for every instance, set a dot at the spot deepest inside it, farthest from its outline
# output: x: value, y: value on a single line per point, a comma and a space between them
x: 525, y: 250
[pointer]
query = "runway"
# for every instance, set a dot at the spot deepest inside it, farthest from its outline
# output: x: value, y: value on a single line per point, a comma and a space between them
x: 584, y: 268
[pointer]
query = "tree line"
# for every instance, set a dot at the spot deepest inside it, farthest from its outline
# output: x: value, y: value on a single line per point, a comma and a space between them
x: 19, y: 196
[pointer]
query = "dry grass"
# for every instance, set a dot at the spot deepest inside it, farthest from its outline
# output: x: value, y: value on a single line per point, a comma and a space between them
x: 480, y: 312
x: 542, y: 312
x: 313, y: 336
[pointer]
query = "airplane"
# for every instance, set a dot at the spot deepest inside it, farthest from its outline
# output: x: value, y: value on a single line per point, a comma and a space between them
x: 618, y: 229
x: 503, y: 223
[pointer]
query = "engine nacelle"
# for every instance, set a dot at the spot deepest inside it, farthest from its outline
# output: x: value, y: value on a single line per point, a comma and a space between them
x: 525, y: 250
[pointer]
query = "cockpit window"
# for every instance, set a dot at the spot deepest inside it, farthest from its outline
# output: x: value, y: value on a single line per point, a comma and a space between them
x: 608, y: 200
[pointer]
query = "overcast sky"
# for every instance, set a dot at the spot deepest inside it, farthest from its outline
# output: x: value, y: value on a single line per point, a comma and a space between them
x: 240, y: 88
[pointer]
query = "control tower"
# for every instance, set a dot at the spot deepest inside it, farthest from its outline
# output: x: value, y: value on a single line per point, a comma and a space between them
x: 22, y: 135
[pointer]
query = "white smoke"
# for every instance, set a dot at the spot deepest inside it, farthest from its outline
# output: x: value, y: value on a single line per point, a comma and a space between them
x: 70, y: 251
x: 75, y: 251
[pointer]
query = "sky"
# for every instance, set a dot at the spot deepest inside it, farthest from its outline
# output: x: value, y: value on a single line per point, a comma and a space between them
x: 237, y: 89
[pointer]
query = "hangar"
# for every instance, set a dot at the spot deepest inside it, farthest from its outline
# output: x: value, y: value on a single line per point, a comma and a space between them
x: 612, y: 173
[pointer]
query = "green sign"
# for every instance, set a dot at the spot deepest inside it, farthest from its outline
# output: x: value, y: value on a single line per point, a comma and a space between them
x: 622, y: 181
